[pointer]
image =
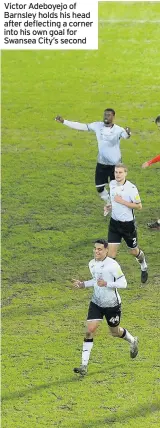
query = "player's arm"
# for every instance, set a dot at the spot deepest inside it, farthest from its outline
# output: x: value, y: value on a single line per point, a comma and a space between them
x: 135, y: 201
x: 83, y: 284
x: 74, y: 125
x: 126, y: 133
x: 133, y: 205
x: 119, y: 280
x: 151, y: 161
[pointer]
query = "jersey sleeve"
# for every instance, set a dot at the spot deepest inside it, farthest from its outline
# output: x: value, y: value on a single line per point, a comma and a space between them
x: 135, y: 195
x: 89, y: 283
x: 116, y: 270
x: 123, y: 134
x: 93, y: 126
x: 76, y: 125
x: 119, y: 280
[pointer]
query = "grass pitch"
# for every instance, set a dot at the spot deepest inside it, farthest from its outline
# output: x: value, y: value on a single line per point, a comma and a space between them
x: 51, y: 214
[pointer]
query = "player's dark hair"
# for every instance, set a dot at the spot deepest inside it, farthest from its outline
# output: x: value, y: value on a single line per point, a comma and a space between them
x: 157, y: 120
x: 110, y: 109
x: 102, y: 241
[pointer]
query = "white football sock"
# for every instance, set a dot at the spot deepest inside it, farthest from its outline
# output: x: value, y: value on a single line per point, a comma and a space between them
x: 141, y: 260
x: 128, y: 337
x: 87, y: 347
x: 144, y: 265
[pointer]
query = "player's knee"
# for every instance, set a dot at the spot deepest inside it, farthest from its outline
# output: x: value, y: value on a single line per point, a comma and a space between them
x: 91, y: 328
x: 100, y: 189
x: 89, y: 334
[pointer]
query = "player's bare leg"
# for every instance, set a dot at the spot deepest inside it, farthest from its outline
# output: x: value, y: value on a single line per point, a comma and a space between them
x: 112, y: 250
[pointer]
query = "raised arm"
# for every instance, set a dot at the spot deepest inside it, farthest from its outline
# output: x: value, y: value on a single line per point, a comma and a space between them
x: 74, y: 125
x: 126, y: 133
x: 151, y: 161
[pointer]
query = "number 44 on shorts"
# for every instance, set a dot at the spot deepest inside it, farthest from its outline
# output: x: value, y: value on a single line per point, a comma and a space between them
x: 114, y: 320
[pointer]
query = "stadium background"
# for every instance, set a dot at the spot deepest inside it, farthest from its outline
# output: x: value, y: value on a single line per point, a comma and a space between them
x: 51, y: 215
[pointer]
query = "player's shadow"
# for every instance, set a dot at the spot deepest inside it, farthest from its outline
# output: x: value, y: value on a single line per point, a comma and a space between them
x: 124, y: 417
x: 127, y: 416
x: 33, y: 389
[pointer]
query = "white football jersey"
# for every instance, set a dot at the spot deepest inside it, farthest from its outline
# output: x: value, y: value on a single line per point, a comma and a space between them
x: 108, y: 138
x: 110, y: 271
x: 129, y: 192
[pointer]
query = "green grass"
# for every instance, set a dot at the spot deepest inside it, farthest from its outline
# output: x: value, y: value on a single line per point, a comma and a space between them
x: 50, y: 216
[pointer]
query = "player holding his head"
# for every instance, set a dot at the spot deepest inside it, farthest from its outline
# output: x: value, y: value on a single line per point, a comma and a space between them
x: 108, y: 137
x: 155, y: 224
x: 124, y: 200
x: 107, y: 277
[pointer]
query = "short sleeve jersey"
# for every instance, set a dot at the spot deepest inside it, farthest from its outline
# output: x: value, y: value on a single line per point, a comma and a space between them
x: 129, y: 192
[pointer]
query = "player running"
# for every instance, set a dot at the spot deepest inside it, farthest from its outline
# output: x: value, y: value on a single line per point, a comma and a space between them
x: 107, y: 277
x: 124, y: 200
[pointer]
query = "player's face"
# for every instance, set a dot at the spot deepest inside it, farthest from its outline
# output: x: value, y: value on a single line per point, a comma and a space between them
x: 100, y: 252
x: 108, y: 117
x: 120, y: 174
